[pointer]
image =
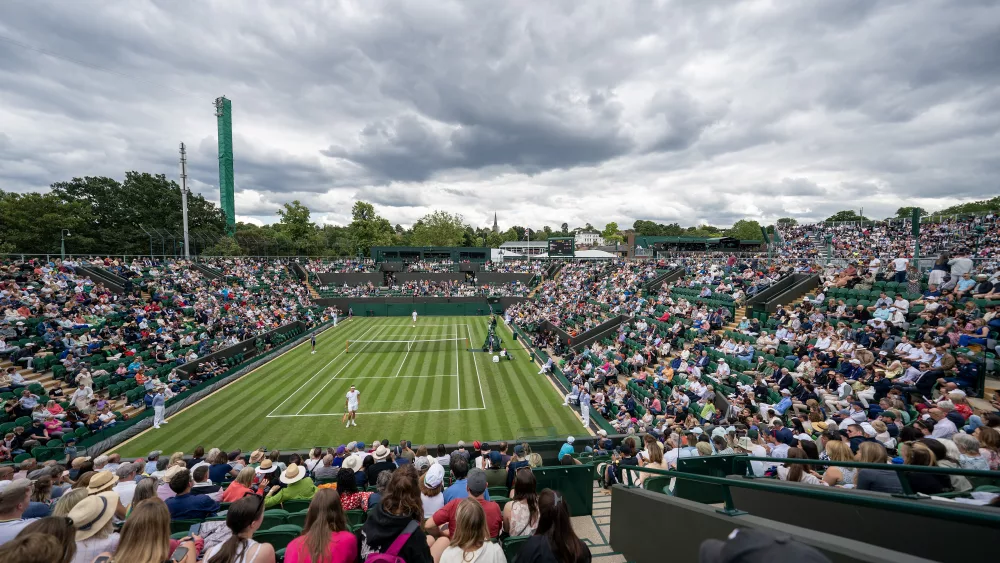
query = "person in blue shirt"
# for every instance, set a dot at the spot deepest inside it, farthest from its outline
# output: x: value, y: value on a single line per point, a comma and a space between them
x: 187, y: 506
x: 158, y: 401
x: 567, y: 448
x: 784, y: 404
x: 459, y: 470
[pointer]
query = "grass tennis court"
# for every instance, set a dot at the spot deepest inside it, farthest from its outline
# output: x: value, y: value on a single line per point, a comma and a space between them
x: 418, y: 383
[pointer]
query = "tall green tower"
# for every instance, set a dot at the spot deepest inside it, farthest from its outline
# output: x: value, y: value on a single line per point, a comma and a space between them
x: 227, y: 198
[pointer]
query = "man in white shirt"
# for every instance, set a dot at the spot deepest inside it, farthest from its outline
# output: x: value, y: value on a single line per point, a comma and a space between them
x: 747, y: 446
x: 874, y: 265
x: 943, y: 427
x: 903, y: 349
x: 126, y: 482
x: 777, y: 449
x: 823, y: 342
x: 14, y: 500
x: 960, y: 265
x: 899, y: 266
x: 352, y: 403
x: 844, y: 393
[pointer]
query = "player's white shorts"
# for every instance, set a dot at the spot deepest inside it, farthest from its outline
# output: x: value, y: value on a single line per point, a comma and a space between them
x: 352, y: 408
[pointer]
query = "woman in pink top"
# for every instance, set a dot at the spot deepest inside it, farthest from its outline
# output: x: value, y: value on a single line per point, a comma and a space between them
x: 326, y: 537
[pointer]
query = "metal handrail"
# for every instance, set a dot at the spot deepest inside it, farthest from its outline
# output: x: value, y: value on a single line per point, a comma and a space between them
x: 894, y: 467
x: 986, y: 518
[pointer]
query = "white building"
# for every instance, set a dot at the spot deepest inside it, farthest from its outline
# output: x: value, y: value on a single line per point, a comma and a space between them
x: 584, y: 238
x: 533, y: 247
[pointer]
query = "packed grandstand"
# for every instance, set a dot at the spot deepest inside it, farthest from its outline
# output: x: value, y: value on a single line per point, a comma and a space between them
x: 882, y: 358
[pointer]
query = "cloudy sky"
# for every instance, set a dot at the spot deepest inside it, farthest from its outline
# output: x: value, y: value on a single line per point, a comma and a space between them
x: 546, y: 112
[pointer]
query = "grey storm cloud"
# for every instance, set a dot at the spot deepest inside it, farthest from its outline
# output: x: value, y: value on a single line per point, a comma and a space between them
x: 546, y: 112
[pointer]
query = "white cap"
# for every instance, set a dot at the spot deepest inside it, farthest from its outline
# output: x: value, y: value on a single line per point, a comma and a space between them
x: 570, y: 439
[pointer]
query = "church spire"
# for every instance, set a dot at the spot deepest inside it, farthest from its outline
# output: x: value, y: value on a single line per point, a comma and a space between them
x: 496, y: 228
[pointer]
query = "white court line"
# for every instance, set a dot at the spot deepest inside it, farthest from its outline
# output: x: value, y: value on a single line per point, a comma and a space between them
x: 481, y: 395
x: 317, y: 373
x: 458, y: 382
x: 313, y: 398
x: 403, y: 363
x: 359, y: 413
x: 402, y: 376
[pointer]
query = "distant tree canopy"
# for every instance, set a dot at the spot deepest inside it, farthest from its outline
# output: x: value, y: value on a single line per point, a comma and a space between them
x: 846, y: 215
x: 141, y: 214
x: 981, y: 206
x: 105, y: 216
x: 745, y: 229
x: 651, y: 229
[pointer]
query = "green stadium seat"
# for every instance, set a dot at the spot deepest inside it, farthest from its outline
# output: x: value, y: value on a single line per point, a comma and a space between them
x: 295, y: 505
x: 182, y: 526
x: 273, y: 517
x: 278, y: 537
x: 298, y: 518
x: 512, y: 546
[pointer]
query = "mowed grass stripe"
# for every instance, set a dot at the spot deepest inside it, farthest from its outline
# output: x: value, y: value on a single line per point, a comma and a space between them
x: 330, y: 357
x: 219, y: 413
x: 331, y: 398
x: 235, y: 416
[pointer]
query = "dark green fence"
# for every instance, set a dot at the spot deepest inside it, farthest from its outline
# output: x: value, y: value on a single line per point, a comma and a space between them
x: 461, y: 309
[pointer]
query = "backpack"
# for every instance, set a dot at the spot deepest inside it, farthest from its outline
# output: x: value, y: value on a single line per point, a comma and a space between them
x: 391, y: 555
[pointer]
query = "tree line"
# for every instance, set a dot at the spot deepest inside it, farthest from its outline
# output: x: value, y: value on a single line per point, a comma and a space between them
x: 141, y: 215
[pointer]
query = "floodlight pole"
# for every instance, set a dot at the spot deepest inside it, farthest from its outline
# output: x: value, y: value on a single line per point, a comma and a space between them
x: 184, y: 201
x: 62, y: 246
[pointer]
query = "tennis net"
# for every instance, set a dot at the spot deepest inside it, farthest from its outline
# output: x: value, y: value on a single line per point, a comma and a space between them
x: 429, y: 345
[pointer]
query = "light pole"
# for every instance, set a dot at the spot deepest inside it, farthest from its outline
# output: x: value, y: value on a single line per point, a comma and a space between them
x: 63, y: 233
x: 184, y: 200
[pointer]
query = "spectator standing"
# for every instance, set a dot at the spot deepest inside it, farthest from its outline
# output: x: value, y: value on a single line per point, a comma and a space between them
x: 159, y: 401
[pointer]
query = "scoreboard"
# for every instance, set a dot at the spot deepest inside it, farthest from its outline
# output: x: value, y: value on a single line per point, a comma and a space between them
x: 562, y: 246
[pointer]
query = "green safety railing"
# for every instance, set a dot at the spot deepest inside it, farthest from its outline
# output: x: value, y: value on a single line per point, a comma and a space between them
x: 899, y: 469
x: 896, y: 503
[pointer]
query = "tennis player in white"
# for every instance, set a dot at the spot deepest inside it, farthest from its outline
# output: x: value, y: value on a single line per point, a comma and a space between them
x: 352, y: 407
x: 414, y: 318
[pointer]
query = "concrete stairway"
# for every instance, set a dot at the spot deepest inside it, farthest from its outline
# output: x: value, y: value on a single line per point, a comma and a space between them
x: 312, y: 291
x: 740, y: 313
x: 595, y: 530
x: 43, y: 379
